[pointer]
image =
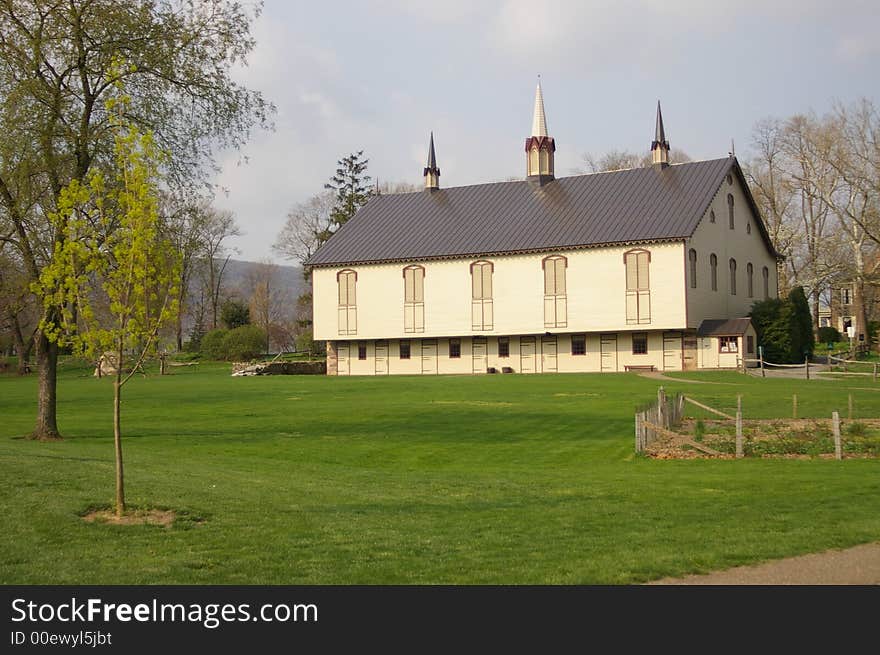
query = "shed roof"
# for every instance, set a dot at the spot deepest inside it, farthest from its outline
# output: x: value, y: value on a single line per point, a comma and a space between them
x: 723, y: 327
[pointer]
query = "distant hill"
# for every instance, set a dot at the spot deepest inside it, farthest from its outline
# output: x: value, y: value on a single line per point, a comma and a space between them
x: 290, y: 278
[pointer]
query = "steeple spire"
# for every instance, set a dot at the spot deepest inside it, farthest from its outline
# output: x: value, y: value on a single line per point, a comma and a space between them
x: 431, y: 172
x: 539, y: 146
x: 659, y: 146
x: 539, y: 121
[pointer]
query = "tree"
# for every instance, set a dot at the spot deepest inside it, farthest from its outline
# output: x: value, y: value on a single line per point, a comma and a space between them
x: 784, y: 327
x: 615, y: 160
x: 58, y: 67
x: 308, y: 226
x: 234, y: 314
x: 216, y: 227
x: 266, y: 299
x: 133, y: 267
x: 18, y: 314
x: 352, y: 188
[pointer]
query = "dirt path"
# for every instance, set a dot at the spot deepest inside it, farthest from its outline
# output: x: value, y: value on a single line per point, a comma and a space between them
x: 660, y: 376
x: 859, y: 565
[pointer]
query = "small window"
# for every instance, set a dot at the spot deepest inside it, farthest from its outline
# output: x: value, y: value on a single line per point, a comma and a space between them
x: 766, y: 273
x: 730, y: 210
x: 748, y: 228
x: 844, y: 296
x: 712, y: 216
x: 454, y: 348
x: 728, y: 345
x: 713, y: 271
x: 732, y: 277
x: 404, y: 349
x: 362, y: 350
x: 504, y: 346
x: 750, y: 345
x: 750, y: 274
x: 640, y: 343
x: 692, y: 257
x: 579, y: 344
x: 729, y: 179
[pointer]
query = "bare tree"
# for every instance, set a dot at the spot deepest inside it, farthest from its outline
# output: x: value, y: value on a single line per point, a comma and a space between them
x: 266, y: 298
x: 215, y: 228
x: 308, y: 225
x: 615, y: 160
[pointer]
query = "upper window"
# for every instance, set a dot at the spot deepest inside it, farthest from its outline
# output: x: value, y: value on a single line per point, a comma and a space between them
x: 413, y: 299
x: 712, y: 216
x: 638, y: 291
x: 748, y: 228
x: 347, y: 309
x: 729, y: 178
x: 481, y: 295
x: 713, y: 271
x: 732, y: 277
x: 766, y: 273
x: 692, y: 258
x: 750, y: 282
x: 555, y: 305
x: 730, y: 210
x: 579, y: 344
x: 845, y: 295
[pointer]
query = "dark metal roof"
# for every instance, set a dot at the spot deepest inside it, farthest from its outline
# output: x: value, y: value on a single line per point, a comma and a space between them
x: 722, y: 327
x: 619, y: 207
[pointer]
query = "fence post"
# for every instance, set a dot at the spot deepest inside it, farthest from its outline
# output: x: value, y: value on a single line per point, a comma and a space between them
x: 638, y: 432
x: 739, y: 426
x: 875, y: 372
x: 807, y: 366
x: 850, y: 415
x: 794, y: 405
x: 661, y: 408
x: 835, y: 424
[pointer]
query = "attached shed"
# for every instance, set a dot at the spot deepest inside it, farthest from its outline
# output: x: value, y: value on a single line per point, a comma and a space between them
x: 723, y: 343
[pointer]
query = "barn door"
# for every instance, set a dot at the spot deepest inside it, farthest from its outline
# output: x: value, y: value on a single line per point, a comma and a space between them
x: 548, y: 354
x: 382, y: 357
x: 343, y: 363
x: 527, y: 354
x: 672, y: 353
x: 689, y: 352
x: 608, y: 349
x: 429, y: 356
x: 479, y: 355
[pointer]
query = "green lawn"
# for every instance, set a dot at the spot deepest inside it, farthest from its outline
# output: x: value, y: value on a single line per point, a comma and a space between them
x: 491, y: 479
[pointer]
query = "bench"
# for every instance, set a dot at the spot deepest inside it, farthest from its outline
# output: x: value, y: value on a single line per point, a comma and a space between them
x: 639, y: 367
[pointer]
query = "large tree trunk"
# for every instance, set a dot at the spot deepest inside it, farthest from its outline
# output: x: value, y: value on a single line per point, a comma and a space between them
x: 815, y: 297
x: 117, y: 438
x: 47, y: 365
x: 860, y: 315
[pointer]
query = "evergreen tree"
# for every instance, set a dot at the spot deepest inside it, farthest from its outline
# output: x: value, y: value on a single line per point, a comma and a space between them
x: 784, y: 327
x: 351, y: 184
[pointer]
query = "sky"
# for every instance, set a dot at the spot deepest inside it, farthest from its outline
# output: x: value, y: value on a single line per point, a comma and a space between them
x: 379, y: 76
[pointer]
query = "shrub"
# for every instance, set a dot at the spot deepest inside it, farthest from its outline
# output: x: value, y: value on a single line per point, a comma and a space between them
x: 243, y: 343
x: 784, y: 327
x: 857, y: 429
x: 828, y: 334
x: 212, y: 344
x: 699, y: 430
x: 234, y: 314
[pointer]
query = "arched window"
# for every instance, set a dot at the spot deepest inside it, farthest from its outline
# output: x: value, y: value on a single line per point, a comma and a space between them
x: 638, y: 290
x: 732, y: 277
x: 712, y: 216
x: 414, y: 299
x: 346, y: 281
x: 750, y: 274
x: 713, y: 271
x: 555, y: 293
x: 766, y: 273
x: 730, y: 209
x: 692, y: 258
x: 481, y: 295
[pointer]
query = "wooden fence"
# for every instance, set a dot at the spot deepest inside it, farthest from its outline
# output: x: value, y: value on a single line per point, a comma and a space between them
x: 660, y: 416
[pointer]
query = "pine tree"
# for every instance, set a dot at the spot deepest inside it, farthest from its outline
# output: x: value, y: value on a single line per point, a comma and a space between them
x: 351, y: 184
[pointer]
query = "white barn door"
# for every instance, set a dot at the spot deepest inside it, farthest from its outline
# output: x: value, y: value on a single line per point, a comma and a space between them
x: 429, y: 356
x: 343, y: 363
x: 548, y: 355
x: 608, y: 350
x: 527, y: 354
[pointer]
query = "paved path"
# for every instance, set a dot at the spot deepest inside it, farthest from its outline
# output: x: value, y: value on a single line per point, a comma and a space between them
x: 859, y: 565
